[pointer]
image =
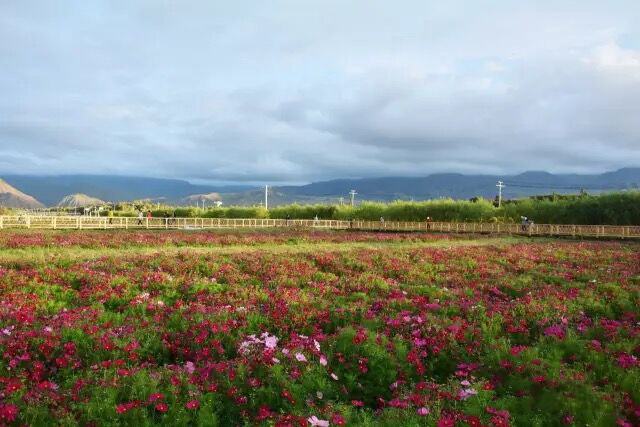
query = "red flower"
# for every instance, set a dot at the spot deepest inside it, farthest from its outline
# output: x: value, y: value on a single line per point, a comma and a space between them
x: 193, y: 404
x: 338, y: 420
x: 12, y: 386
x: 156, y: 396
x: 162, y: 407
x: 446, y: 421
x: 125, y: 407
x: 263, y: 413
x: 122, y: 408
x: 358, y: 403
x: 8, y: 412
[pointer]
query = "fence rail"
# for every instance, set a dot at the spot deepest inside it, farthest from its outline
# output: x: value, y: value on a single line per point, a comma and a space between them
x: 93, y: 223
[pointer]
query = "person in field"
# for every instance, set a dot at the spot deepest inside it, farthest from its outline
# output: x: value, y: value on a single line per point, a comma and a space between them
x: 110, y: 215
x: 140, y: 217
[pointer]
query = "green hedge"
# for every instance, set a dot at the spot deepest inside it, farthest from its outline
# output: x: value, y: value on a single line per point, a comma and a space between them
x: 612, y: 208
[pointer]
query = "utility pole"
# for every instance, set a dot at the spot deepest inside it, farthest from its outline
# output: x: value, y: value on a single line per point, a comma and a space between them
x: 352, y: 193
x: 266, y: 197
x: 500, y: 186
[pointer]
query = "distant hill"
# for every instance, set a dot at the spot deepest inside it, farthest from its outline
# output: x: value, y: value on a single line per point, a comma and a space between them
x: 457, y: 186
x: 10, y: 197
x: 51, y: 189
x: 79, y: 201
x: 460, y: 186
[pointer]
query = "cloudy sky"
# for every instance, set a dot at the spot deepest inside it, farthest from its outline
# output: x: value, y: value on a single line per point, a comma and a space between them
x: 302, y: 90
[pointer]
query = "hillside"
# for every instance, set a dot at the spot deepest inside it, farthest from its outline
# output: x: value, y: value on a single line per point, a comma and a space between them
x: 11, y: 197
x: 51, y: 189
x: 458, y: 186
x: 79, y: 201
x: 450, y: 185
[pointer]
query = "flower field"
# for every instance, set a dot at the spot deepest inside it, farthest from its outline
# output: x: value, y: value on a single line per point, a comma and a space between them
x: 420, y: 330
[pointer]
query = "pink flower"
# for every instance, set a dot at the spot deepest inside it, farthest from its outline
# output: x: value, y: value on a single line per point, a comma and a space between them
x: 358, y: 403
x: 162, y: 407
x: 558, y: 330
x: 323, y: 360
x: 423, y: 411
x: 334, y: 376
x: 189, y: 367
x: 270, y: 342
x: 300, y: 357
x: 192, y: 404
x: 627, y: 361
x: 467, y: 393
x: 314, y: 421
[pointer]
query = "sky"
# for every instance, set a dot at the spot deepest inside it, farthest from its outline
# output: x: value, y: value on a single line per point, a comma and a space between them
x: 295, y: 91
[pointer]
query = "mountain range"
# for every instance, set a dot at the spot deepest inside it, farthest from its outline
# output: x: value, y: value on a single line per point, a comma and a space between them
x: 51, y: 189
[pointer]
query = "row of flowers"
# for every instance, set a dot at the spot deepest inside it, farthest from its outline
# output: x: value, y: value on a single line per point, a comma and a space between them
x: 124, y: 238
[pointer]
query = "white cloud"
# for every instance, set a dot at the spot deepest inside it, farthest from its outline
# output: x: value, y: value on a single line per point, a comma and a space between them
x: 285, y: 91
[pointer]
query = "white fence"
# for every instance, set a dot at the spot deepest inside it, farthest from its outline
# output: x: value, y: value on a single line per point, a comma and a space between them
x: 92, y: 223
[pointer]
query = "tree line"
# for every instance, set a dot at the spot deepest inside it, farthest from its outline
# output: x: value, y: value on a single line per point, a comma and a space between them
x: 613, y: 208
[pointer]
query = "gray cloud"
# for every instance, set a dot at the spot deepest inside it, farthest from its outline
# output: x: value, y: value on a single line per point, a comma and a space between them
x: 283, y: 91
